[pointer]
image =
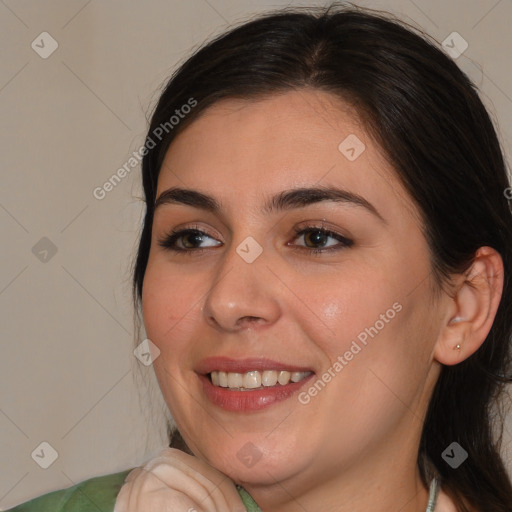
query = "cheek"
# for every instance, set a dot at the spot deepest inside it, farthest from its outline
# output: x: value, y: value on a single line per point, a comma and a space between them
x: 378, y: 338
x: 354, y: 308
x: 167, y: 307
x: 381, y: 305
x: 384, y: 381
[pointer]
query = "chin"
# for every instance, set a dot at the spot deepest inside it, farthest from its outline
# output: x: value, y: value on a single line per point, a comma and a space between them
x: 247, y: 461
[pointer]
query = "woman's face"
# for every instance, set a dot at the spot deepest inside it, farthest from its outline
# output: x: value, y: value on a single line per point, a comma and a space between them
x: 252, y: 296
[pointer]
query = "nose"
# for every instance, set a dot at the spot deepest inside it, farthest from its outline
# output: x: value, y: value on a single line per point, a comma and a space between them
x: 244, y: 295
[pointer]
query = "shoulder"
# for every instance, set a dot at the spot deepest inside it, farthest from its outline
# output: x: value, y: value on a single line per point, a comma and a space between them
x: 95, y: 494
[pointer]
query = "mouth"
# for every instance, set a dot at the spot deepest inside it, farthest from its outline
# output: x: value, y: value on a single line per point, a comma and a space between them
x: 250, y: 384
x: 254, y: 379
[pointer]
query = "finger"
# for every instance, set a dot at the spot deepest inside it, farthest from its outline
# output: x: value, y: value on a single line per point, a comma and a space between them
x: 166, y: 487
x: 132, y: 475
x: 205, y: 484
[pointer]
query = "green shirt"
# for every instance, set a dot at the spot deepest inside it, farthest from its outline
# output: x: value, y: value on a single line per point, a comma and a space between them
x: 95, y: 495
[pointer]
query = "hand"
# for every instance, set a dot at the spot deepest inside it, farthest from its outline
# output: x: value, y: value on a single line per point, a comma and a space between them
x: 177, y: 482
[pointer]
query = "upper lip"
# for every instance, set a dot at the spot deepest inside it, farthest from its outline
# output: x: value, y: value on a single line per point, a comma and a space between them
x: 227, y: 364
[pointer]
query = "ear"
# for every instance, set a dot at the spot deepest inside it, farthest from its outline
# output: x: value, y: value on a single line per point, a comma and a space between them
x: 472, y: 309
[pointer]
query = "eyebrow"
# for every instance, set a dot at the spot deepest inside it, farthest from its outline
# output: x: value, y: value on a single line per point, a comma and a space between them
x: 283, y: 201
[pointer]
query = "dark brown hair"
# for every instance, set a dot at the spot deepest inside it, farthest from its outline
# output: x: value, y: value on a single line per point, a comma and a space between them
x: 427, y: 116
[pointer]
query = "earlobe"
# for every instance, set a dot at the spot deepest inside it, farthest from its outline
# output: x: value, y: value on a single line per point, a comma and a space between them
x: 472, y: 309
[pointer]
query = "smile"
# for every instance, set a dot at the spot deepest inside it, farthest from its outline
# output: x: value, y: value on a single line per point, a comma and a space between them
x: 255, y: 379
x: 252, y: 383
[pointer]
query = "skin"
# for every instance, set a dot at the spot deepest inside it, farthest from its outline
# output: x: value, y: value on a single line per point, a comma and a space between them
x: 335, y: 452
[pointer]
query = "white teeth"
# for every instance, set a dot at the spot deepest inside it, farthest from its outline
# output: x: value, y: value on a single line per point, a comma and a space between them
x: 252, y: 380
x: 223, y: 379
x: 235, y: 380
x: 269, y: 378
x: 284, y: 377
x: 255, y: 379
x: 296, y: 376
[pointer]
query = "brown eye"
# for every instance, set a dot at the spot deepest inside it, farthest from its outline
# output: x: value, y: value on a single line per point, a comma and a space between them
x: 320, y: 236
x: 190, y: 238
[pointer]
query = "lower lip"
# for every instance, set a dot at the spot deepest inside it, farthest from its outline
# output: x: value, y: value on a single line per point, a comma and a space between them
x: 243, y: 401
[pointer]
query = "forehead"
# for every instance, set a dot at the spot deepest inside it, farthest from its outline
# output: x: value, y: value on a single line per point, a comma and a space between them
x: 280, y: 125
x: 248, y: 148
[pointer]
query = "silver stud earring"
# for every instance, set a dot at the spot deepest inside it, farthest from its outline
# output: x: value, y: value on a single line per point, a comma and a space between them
x: 457, y: 347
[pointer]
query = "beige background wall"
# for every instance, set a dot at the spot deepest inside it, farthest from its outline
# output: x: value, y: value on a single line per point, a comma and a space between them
x: 68, y: 122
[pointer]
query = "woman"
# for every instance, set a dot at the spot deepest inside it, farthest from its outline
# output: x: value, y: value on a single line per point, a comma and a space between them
x: 324, y: 275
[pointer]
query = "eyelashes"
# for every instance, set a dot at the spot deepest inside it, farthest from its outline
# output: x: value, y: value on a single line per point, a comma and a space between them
x: 343, y: 242
x: 170, y: 241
